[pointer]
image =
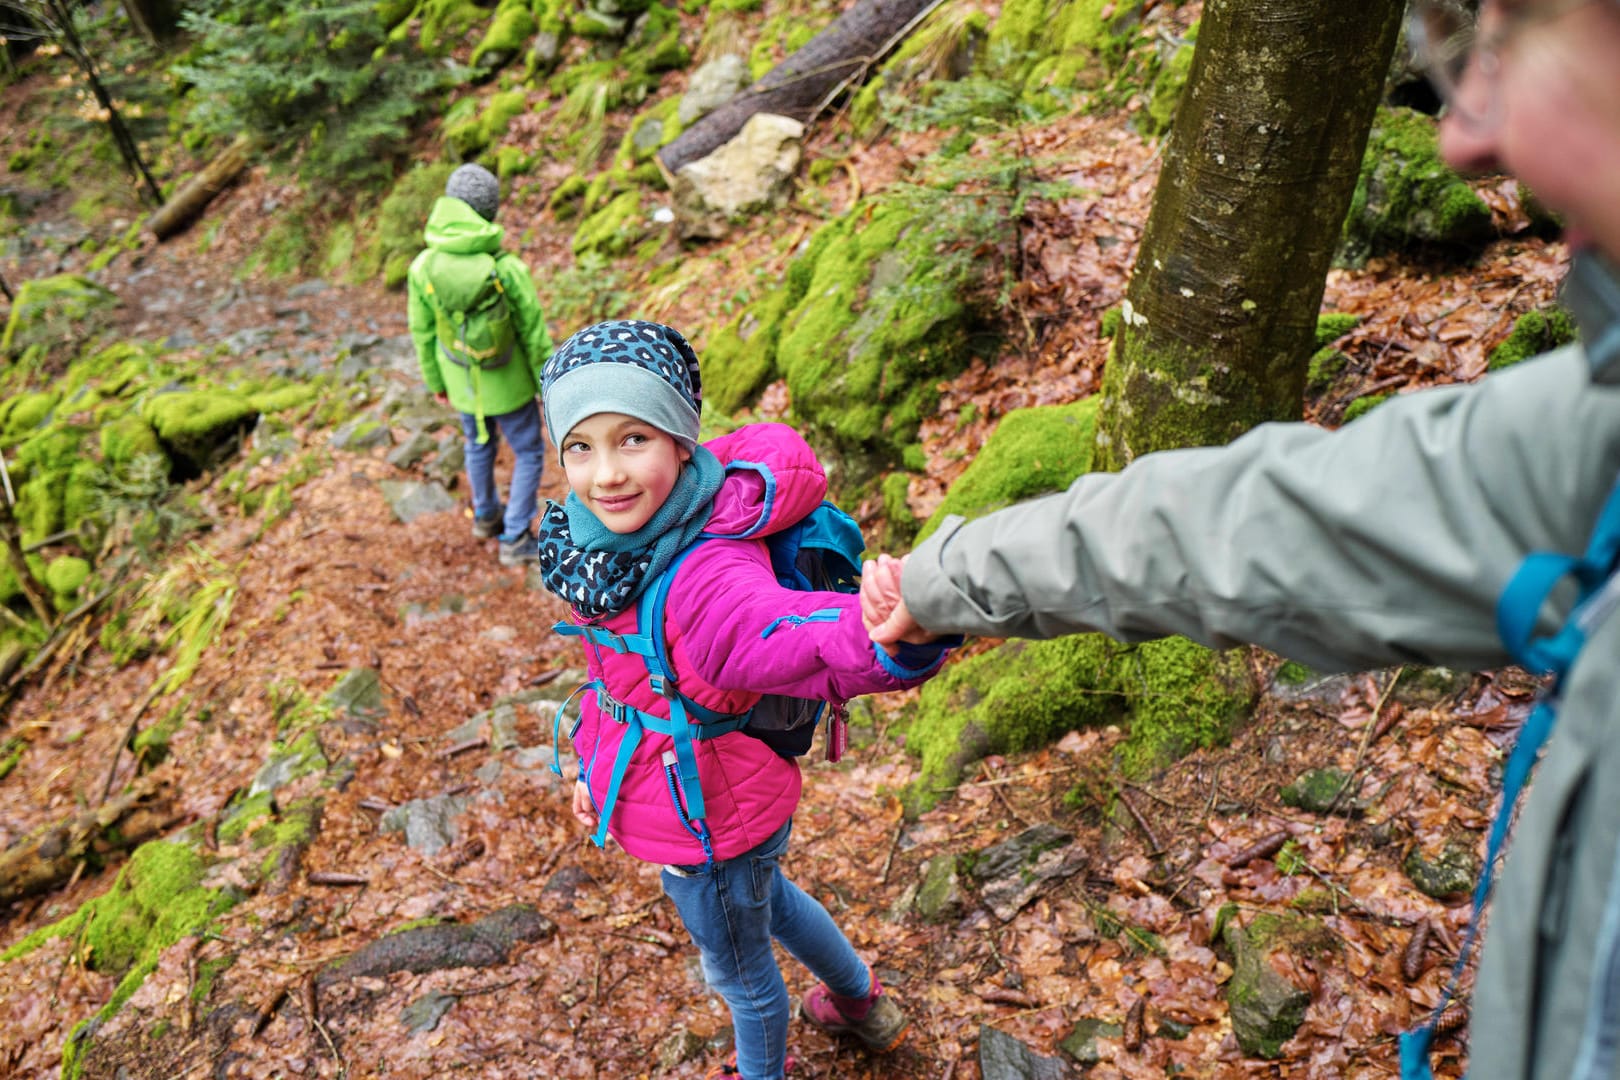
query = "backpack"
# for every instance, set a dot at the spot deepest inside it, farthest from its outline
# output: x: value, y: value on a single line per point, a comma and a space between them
x: 820, y: 552
x: 472, y: 319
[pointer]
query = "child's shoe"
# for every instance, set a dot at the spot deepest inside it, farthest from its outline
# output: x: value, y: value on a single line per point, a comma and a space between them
x: 874, y: 1019
x: 489, y: 525
x: 729, y: 1068
x: 525, y: 549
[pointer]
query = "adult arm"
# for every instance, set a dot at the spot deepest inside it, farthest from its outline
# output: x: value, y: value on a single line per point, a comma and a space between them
x: 1387, y: 541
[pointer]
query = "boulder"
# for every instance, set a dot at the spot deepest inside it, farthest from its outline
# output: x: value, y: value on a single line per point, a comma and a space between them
x: 754, y: 171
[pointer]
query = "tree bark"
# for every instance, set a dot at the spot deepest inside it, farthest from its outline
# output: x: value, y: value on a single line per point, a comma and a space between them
x: 44, y: 861
x: 199, y: 191
x: 1258, y: 173
x: 157, y: 20
x: 803, y: 84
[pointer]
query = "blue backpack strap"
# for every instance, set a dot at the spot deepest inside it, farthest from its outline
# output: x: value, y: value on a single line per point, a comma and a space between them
x: 1516, y: 613
x: 661, y: 676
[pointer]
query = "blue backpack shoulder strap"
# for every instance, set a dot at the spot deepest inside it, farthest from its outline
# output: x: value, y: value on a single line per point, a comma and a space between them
x: 1517, y: 611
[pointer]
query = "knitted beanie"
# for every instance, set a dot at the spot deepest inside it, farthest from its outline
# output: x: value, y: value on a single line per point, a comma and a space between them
x: 640, y: 369
x: 477, y: 187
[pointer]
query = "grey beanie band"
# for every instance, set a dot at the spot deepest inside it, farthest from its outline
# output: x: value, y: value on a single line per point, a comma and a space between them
x: 640, y: 369
x: 477, y: 187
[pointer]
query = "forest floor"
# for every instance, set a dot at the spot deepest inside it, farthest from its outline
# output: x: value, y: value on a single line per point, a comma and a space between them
x: 339, y: 584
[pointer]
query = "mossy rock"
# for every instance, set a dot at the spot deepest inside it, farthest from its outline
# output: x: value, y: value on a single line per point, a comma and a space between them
x: 1172, y: 694
x: 55, y: 311
x: 1449, y: 875
x: 1362, y: 406
x: 1081, y: 1041
x: 1266, y: 1009
x: 1333, y: 325
x: 1406, y: 195
x: 22, y: 413
x: 1534, y: 333
x: 245, y: 815
x: 127, y: 437
x: 509, y: 31
x: 1317, y: 790
x: 614, y: 229
x: 199, y: 428
x: 1033, y: 451
x: 65, y: 575
x: 395, y: 231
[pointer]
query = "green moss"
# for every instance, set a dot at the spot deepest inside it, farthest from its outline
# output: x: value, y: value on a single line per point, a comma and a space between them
x: 1534, y: 333
x: 127, y: 437
x: 1167, y: 87
x: 207, y: 971
x: 510, y: 29
x: 64, y: 576
x: 1032, y: 452
x: 24, y: 412
x: 294, y: 830
x: 199, y: 426
x: 1333, y: 325
x: 1174, y: 696
x: 48, y: 311
x: 1326, y: 364
x: 1363, y: 405
x: 614, y: 229
x: 283, y: 398
x: 395, y: 232
x: 151, y: 744
x: 1407, y: 195
x: 1292, y: 673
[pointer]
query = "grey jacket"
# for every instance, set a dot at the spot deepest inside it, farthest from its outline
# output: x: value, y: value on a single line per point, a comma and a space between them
x: 1385, y: 542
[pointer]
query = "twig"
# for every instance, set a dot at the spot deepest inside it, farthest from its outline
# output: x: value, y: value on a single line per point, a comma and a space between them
x: 1366, y: 741
x: 152, y: 693
x: 1141, y: 822
x: 894, y: 844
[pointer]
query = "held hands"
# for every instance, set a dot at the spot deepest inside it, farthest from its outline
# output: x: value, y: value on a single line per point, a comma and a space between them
x: 883, y: 608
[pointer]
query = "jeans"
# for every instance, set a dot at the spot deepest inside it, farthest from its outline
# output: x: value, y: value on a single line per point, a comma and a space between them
x: 522, y: 430
x: 733, y: 909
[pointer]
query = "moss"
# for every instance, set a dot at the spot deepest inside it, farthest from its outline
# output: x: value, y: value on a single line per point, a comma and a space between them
x: 197, y: 427
x: 1407, y: 195
x: 65, y: 575
x: 614, y: 229
x: 1293, y: 673
x: 1534, y: 333
x: 1362, y: 406
x: 1183, y: 696
x: 52, y: 310
x: 1326, y: 364
x: 512, y: 161
x: 510, y: 29
x: 293, y: 831
x: 208, y: 971
x: 443, y: 21
x: 1032, y: 452
x: 1316, y: 790
x: 24, y: 412
x: 126, y: 438
x: 740, y: 359
x: 283, y: 398
x: 1167, y: 87
x: 157, y: 899
x: 1333, y: 325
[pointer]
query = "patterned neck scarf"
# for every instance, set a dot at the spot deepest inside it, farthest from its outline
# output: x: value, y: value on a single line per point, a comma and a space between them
x: 598, y: 571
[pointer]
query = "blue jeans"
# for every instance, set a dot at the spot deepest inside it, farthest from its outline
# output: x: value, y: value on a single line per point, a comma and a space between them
x: 732, y: 910
x: 522, y: 430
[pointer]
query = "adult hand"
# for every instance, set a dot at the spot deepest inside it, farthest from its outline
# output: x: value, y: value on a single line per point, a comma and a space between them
x: 584, y: 809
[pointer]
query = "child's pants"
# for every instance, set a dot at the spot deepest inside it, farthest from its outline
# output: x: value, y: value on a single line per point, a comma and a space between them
x: 733, y: 910
x: 522, y: 430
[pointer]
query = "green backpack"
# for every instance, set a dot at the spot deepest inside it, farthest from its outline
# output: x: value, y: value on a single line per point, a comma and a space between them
x: 472, y: 317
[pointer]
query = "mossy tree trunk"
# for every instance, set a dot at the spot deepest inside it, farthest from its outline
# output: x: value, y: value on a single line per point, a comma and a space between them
x: 1258, y: 173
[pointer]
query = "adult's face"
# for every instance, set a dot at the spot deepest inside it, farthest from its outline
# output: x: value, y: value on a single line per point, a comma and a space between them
x: 1541, y: 100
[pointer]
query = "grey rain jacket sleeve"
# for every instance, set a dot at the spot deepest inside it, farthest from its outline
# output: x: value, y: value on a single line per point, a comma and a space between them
x: 1387, y: 541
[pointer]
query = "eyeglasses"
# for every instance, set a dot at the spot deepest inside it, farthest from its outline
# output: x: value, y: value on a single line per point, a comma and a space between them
x: 1445, y: 39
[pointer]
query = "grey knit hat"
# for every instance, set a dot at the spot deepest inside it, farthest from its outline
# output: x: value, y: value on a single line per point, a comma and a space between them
x: 641, y: 369
x: 477, y: 187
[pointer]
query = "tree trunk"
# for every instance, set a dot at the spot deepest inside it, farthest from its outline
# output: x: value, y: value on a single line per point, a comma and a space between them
x: 47, y: 859
x: 1258, y: 173
x: 200, y: 190
x: 157, y: 20
x: 803, y: 84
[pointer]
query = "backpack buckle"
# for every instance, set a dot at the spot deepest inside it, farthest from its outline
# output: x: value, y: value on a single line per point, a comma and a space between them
x: 661, y: 685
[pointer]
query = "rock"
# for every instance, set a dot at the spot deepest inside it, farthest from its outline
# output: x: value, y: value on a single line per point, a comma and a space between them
x: 312, y: 287
x: 1316, y: 790
x: 678, y: 1048
x: 1448, y: 875
x: 357, y: 694
x: 410, y: 500
x: 287, y: 763
x: 1014, y: 871
x: 429, y: 824
x: 1081, y: 1041
x: 1427, y: 688
x: 1003, y: 1057
x: 1266, y: 1009
x: 361, y: 433
x: 754, y: 171
x: 425, y: 1012
x: 939, y: 898
x: 412, y: 450
x: 711, y: 86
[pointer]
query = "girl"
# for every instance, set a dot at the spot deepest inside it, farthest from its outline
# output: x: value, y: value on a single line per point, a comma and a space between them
x: 622, y: 401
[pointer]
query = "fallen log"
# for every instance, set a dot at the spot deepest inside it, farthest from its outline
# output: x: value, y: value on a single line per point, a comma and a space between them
x: 47, y: 858
x: 199, y: 191
x: 806, y: 82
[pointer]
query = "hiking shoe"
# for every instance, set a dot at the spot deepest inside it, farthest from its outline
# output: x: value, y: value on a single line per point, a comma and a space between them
x: 488, y: 525
x: 729, y: 1068
x: 522, y: 551
x: 875, y: 1019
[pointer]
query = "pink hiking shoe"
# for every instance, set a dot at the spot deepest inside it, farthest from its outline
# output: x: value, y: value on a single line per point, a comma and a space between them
x: 874, y: 1019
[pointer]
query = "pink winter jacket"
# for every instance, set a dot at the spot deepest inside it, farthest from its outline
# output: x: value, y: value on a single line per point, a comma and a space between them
x: 729, y: 643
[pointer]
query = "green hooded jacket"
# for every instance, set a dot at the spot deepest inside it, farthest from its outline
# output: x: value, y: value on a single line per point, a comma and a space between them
x: 457, y: 228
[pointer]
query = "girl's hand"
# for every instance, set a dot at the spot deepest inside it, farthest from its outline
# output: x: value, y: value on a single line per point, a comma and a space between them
x: 584, y: 809
x: 883, y: 609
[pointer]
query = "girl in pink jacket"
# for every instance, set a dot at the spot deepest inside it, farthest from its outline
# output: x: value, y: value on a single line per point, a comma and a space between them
x: 715, y: 805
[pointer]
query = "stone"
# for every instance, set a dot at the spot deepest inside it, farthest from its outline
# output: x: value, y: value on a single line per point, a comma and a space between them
x: 1266, y: 1009
x: 754, y: 171
x: 429, y: 824
x: 1316, y: 789
x: 410, y: 500
x: 1081, y: 1041
x: 1013, y: 872
x: 1003, y: 1057
x: 358, y: 694
x: 425, y: 1012
x: 939, y: 897
x: 1447, y: 876
x: 412, y: 450
x: 711, y: 86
